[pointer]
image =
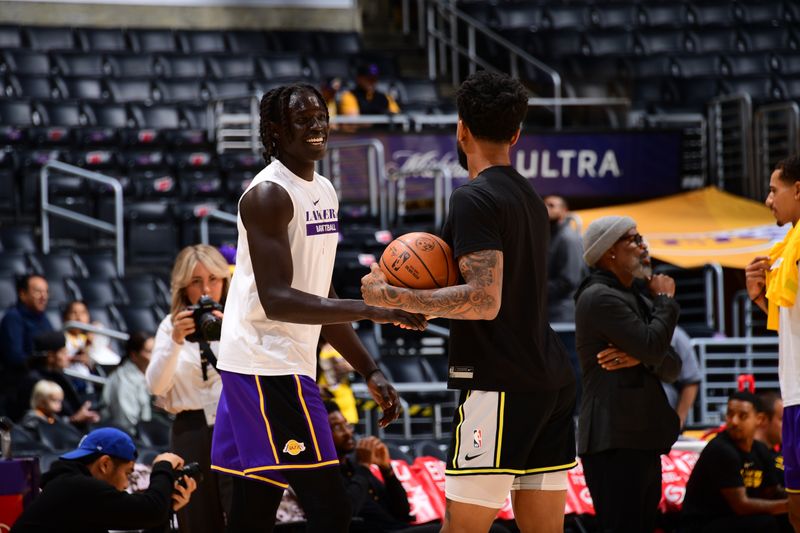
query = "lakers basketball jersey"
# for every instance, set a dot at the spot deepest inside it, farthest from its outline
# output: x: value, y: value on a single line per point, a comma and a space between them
x: 251, y: 343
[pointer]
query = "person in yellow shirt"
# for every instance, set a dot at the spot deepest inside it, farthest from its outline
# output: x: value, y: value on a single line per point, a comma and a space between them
x: 335, y: 378
x: 365, y: 98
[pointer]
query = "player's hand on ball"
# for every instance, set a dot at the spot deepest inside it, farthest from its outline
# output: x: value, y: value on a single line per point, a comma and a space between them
x: 373, y: 287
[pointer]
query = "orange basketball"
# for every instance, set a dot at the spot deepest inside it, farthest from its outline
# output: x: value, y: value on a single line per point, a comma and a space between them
x: 419, y: 261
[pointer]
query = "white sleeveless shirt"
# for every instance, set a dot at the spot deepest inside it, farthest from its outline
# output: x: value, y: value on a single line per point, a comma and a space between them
x: 251, y: 343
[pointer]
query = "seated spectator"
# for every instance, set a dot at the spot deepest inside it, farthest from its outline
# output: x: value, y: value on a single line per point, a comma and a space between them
x: 377, y: 505
x: 48, y: 362
x: 85, y: 490
x: 770, y: 428
x: 733, y: 486
x: 330, y: 92
x: 125, y: 396
x: 85, y: 348
x: 334, y: 379
x: 46, y: 404
x: 21, y: 323
x: 365, y: 98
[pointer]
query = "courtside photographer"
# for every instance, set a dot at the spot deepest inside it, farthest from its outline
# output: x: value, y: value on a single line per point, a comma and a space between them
x: 84, y: 491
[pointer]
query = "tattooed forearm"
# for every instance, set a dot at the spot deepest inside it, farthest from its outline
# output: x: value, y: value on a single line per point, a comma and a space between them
x: 478, y: 299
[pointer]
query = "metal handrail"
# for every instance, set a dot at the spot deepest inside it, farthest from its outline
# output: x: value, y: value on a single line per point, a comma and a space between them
x: 99, y: 330
x: 714, y: 288
x: 473, y: 25
x: 761, y: 125
x: 216, y: 214
x: 376, y: 172
x: 117, y: 228
x: 744, y: 137
x: 442, y: 188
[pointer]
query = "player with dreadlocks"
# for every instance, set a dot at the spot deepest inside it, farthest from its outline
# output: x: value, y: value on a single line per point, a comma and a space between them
x: 272, y: 428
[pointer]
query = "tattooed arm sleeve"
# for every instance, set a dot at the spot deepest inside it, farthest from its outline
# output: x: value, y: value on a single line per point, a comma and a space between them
x: 477, y: 299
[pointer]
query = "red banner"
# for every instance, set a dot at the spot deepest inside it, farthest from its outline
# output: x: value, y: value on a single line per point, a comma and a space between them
x: 424, y: 482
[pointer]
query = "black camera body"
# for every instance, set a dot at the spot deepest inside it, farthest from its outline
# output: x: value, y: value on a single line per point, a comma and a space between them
x: 191, y: 470
x: 207, y: 327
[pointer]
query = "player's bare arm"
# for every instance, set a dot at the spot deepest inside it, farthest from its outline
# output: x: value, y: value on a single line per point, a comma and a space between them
x: 345, y: 341
x: 756, y: 281
x: 266, y: 211
x: 478, y: 298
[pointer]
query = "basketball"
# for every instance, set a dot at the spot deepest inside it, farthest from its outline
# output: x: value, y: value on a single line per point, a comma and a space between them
x: 419, y: 261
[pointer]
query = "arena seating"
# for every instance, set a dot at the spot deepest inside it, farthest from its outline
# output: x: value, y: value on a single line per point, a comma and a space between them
x: 664, y: 55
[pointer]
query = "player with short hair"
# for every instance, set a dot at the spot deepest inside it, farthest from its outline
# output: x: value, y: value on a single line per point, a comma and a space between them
x: 272, y: 429
x: 513, y: 427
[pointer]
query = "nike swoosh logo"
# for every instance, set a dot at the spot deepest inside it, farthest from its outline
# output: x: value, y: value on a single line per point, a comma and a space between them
x: 469, y: 457
x: 315, y: 203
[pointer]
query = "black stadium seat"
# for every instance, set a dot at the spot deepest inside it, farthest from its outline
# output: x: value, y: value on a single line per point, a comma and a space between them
x: 60, y: 120
x: 249, y: 42
x: 145, y: 290
x: 661, y: 15
x: 152, y: 233
x: 13, y: 263
x: 8, y: 292
x: 26, y: 62
x: 611, y: 16
x: 130, y: 90
x: 50, y: 39
x: 202, y: 42
x: 102, y: 39
x: 297, y: 41
x: 132, y: 65
x: 38, y: 87
x: 225, y: 68
x: 566, y: 17
x: 182, y: 90
x: 336, y: 42
x: 57, y: 293
x: 283, y: 66
x: 139, y: 318
x: 85, y: 65
x: 85, y: 89
x: 57, y: 264
x: 15, y: 117
x: 184, y: 67
x: 97, y: 292
x: 100, y: 265
x: 153, y: 41
x: 10, y: 37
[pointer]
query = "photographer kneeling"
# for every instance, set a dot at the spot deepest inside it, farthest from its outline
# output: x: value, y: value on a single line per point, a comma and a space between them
x: 85, y: 490
x: 183, y: 376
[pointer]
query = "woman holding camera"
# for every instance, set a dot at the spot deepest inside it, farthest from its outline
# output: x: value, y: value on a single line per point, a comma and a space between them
x: 183, y: 377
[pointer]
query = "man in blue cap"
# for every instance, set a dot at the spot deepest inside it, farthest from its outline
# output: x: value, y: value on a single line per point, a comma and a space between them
x: 85, y: 490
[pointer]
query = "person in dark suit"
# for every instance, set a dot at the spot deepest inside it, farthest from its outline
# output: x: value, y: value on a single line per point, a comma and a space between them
x: 623, y: 342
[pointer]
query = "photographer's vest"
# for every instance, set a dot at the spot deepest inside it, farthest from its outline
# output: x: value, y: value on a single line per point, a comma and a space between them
x: 251, y: 343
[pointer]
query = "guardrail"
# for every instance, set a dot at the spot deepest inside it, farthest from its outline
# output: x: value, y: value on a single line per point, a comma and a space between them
x: 117, y: 228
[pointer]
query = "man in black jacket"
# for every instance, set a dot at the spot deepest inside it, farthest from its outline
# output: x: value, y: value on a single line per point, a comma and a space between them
x: 623, y: 341
x: 85, y: 491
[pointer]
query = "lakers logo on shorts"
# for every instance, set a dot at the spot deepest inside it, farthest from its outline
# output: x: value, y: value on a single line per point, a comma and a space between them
x: 293, y: 447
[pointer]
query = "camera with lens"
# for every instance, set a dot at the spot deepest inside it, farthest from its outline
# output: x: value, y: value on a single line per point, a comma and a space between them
x: 191, y: 470
x: 207, y: 326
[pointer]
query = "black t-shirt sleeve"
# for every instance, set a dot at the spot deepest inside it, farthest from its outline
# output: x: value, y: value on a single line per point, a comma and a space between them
x: 474, y: 222
x: 724, y: 467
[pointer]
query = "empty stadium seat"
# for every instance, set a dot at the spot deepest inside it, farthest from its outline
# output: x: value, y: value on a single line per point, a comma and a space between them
x: 8, y: 181
x: 84, y: 89
x: 326, y: 67
x: 26, y: 62
x: 152, y: 235
x: 613, y: 16
x: 10, y: 37
x: 662, y: 42
x: 513, y: 17
x: 59, y: 122
x: 183, y: 67
x: 182, y: 91
x: 153, y: 41
x: 59, y: 437
x: 13, y: 263
x: 218, y: 89
x: 133, y: 65
x: 249, y: 42
x: 57, y: 264
x: 8, y: 292
x: 97, y: 292
x: 283, y: 66
x: 202, y: 42
x: 661, y: 15
x: 337, y: 42
x: 18, y: 238
x: 81, y: 64
x: 50, y: 39
x: 100, y: 265
x: 227, y: 67
x: 130, y: 90
x: 566, y: 17
x: 58, y: 295
x: 769, y: 39
x: 146, y: 290
x: 105, y: 120
x: 102, y: 39
x: 37, y: 87
x: 711, y: 14
x: 139, y: 318
x: 296, y: 41
x: 15, y: 117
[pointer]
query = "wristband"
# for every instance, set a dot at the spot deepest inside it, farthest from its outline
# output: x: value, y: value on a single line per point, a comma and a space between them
x: 371, y: 372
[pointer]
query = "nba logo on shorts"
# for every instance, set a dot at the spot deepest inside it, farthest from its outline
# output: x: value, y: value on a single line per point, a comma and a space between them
x: 477, y: 439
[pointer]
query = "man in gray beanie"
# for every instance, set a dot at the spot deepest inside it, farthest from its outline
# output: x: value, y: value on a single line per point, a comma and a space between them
x: 623, y: 342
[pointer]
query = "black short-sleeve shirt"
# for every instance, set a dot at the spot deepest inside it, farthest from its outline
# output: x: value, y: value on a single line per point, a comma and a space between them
x: 723, y: 465
x: 517, y: 351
